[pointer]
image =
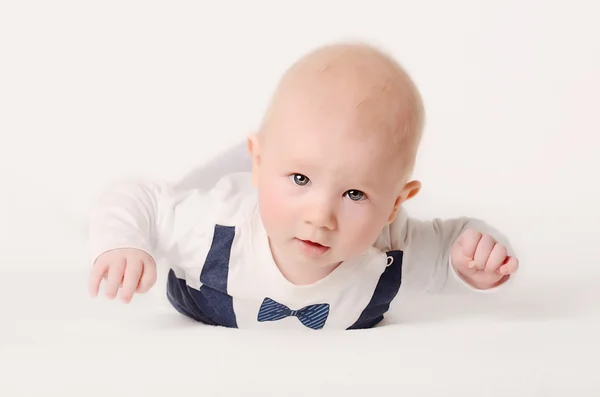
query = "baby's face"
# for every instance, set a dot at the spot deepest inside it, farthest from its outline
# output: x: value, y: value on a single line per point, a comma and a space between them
x: 326, y: 190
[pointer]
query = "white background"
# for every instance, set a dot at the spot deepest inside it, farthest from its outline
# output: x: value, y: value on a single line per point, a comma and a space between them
x: 92, y: 91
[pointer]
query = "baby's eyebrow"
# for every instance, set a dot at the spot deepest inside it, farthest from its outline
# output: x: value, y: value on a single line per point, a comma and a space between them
x: 363, y: 183
x: 366, y: 185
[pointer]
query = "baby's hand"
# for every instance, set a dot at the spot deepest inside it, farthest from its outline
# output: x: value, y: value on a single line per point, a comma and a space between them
x: 480, y: 260
x: 132, y: 269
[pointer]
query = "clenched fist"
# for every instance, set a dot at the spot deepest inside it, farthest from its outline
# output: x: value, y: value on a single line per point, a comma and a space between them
x: 481, y: 260
x: 130, y: 269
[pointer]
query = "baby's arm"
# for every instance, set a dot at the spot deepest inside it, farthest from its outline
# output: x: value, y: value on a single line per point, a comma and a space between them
x: 131, y: 223
x: 451, y: 254
x: 125, y: 215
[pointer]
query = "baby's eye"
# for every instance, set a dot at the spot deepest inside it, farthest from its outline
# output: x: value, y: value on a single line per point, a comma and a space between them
x: 355, y: 195
x: 299, y: 179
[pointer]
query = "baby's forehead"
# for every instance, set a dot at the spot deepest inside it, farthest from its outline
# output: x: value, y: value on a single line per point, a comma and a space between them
x: 372, y: 126
x: 339, y: 153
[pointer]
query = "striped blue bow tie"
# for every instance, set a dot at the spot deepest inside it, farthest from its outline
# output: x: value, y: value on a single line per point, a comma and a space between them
x: 313, y: 316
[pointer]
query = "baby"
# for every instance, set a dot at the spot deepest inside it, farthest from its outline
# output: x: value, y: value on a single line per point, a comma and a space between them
x: 314, y: 235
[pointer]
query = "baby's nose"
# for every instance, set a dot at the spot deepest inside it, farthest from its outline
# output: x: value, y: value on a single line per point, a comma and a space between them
x: 321, y: 216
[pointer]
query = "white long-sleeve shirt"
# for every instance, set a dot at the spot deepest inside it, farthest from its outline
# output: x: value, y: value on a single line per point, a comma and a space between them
x: 221, y: 271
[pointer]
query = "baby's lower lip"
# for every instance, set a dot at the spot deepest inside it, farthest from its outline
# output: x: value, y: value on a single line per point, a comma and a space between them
x: 313, y: 249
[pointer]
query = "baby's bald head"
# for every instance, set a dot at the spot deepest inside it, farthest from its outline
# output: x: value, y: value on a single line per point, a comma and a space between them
x: 356, y: 83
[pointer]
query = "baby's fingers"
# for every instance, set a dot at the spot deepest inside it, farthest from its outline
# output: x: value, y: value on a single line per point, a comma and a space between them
x: 496, y: 259
x: 148, y: 277
x: 468, y: 241
x: 115, y: 277
x: 510, y: 267
x: 133, y: 272
x: 97, y: 274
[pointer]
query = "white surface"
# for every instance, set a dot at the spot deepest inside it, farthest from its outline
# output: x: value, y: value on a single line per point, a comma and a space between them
x: 511, y: 88
x: 542, y: 342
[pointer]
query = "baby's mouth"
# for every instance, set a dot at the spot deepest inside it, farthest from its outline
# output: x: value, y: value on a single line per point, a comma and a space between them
x: 314, y: 243
x: 312, y: 247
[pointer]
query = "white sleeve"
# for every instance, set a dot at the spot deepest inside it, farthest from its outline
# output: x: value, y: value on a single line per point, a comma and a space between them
x: 146, y: 215
x: 426, y: 246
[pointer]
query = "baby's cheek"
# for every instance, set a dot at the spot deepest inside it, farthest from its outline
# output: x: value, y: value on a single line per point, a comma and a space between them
x: 364, y: 238
x: 272, y: 209
x: 363, y: 234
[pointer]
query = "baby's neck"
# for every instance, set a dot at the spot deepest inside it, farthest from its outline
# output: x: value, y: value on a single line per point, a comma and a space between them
x: 298, y: 274
x: 301, y: 276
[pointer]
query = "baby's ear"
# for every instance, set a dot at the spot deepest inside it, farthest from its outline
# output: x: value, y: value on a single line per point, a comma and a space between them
x: 410, y: 190
x: 253, y: 145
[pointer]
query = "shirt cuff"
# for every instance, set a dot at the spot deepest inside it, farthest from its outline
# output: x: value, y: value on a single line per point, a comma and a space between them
x: 103, y: 245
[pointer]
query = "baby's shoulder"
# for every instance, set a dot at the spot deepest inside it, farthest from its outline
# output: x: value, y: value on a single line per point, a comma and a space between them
x: 236, y: 184
x: 233, y: 196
